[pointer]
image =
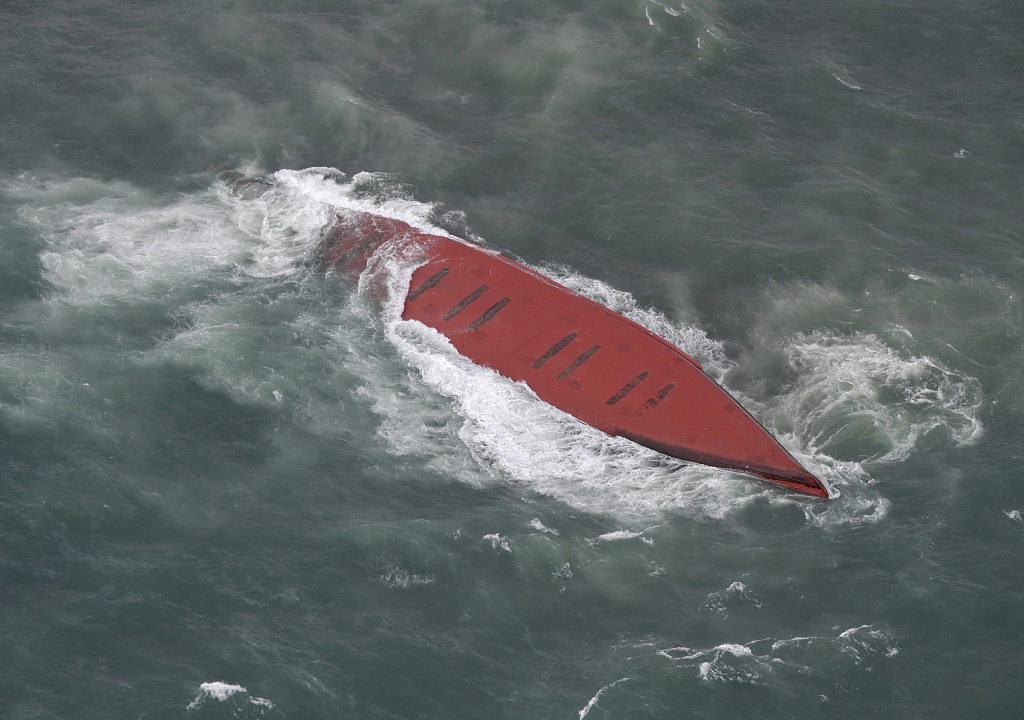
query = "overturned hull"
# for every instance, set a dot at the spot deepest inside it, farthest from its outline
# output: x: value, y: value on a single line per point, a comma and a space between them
x: 573, y: 353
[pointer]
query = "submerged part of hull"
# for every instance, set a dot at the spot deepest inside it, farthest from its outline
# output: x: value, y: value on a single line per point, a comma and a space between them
x: 573, y: 353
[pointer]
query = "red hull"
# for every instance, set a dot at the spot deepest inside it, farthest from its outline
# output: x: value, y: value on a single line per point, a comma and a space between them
x: 573, y: 353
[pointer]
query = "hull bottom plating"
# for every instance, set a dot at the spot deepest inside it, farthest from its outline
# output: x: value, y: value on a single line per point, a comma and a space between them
x: 573, y: 353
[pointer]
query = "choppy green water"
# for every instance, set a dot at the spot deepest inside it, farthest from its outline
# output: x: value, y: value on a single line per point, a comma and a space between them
x: 233, y: 486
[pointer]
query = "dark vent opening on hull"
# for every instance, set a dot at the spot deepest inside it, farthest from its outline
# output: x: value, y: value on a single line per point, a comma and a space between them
x: 465, y: 302
x: 628, y: 388
x: 653, y: 402
x: 491, y: 312
x: 578, y: 361
x: 427, y: 284
x: 361, y: 248
x: 555, y: 349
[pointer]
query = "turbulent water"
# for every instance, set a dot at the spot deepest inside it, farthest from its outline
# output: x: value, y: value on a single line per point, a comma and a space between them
x: 235, y: 486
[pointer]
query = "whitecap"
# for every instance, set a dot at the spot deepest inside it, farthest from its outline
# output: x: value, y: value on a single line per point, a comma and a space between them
x: 243, y: 705
x: 499, y: 542
x: 536, y: 524
x: 848, y: 83
x: 593, y: 701
x: 736, y: 595
x: 395, y: 577
x: 563, y: 571
x: 623, y: 535
x: 218, y: 691
x: 759, y: 662
x: 619, y: 535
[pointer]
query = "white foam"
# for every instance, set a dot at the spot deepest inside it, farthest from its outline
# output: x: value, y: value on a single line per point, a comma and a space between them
x: 622, y: 535
x: 855, y: 389
x: 235, y: 694
x: 394, y: 576
x: 536, y: 524
x: 107, y: 243
x: 113, y: 240
x: 597, y: 695
x: 493, y: 430
x: 500, y: 431
x: 508, y: 432
x: 737, y: 594
x: 1014, y: 515
x: 670, y: 11
x: 756, y: 662
x: 619, y: 535
x: 511, y: 435
x: 864, y: 641
x: 840, y: 74
x: 653, y: 569
x: 709, y: 35
x: 735, y: 650
x: 688, y: 338
x: 848, y: 83
x: 500, y: 542
x: 220, y: 691
x: 562, y: 571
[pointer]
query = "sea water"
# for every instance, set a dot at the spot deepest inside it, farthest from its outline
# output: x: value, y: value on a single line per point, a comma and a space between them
x: 234, y: 485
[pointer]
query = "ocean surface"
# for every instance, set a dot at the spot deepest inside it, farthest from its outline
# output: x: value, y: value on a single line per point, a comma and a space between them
x: 235, y: 486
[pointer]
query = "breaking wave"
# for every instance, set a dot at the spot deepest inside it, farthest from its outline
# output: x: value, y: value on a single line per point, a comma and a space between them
x: 237, y: 700
x: 761, y: 661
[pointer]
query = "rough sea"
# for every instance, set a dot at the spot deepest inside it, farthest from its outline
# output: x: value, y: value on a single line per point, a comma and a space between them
x: 233, y: 485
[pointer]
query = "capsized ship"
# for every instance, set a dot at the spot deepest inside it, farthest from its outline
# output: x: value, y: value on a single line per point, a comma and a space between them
x: 574, y: 353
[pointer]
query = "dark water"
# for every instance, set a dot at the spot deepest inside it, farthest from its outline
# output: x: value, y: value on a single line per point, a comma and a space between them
x: 233, y: 486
